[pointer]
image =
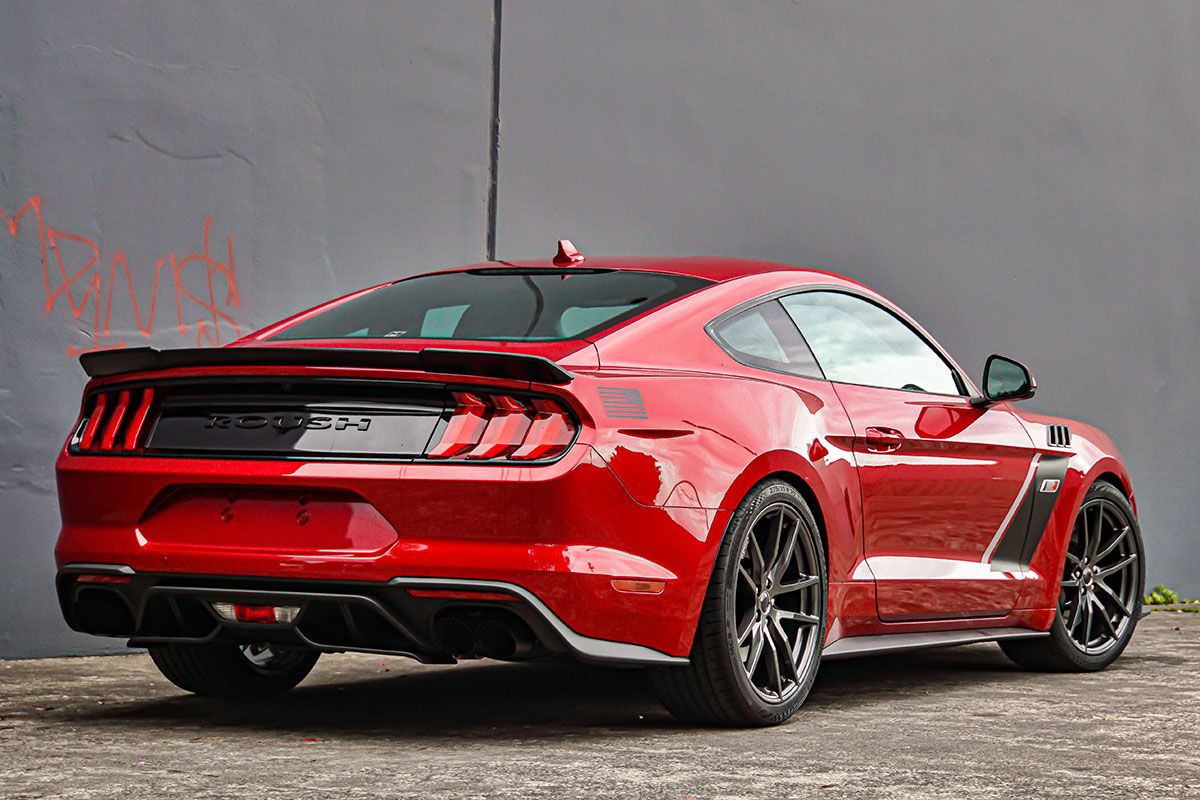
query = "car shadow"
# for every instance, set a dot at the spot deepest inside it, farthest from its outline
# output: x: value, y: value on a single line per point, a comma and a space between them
x: 490, y: 699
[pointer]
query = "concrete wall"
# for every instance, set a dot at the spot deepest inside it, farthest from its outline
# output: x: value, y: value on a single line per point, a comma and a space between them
x: 1023, y: 177
x: 333, y: 146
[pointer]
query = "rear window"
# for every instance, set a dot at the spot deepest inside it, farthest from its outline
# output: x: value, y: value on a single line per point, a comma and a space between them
x: 500, y: 304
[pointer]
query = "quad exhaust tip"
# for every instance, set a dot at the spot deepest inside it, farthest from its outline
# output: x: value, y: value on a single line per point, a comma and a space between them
x: 502, y: 637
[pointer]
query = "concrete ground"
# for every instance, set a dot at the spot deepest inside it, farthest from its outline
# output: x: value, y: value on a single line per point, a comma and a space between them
x: 938, y: 724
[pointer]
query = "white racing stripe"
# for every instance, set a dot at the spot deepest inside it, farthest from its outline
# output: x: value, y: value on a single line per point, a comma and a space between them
x: 991, y: 548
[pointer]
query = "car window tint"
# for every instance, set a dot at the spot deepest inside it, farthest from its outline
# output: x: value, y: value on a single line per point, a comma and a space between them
x: 764, y: 336
x: 857, y: 341
x: 578, y: 318
x: 440, y: 323
x: 506, y: 304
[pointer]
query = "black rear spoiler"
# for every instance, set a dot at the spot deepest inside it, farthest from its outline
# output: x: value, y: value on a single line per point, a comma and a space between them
x: 514, y: 366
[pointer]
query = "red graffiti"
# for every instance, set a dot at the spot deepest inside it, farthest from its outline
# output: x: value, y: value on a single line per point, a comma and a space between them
x: 88, y: 289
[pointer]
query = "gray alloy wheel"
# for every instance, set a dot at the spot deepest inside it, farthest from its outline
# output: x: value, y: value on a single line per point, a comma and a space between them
x: 758, y: 642
x: 1102, y: 584
x: 1100, y: 587
x: 775, y: 604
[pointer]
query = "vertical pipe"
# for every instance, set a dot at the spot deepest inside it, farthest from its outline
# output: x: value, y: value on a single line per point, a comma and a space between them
x: 494, y: 143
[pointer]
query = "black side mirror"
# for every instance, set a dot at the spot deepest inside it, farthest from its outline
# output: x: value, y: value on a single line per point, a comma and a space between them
x: 1005, y: 379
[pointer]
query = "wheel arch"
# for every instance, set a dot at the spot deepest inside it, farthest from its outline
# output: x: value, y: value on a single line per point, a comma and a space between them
x: 1111, y: 471
x: 825, y: 492
x: 800, y: 485
x: 1114, y: 479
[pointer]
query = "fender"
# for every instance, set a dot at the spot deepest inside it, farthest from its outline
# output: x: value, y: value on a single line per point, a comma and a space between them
x: 1084, y: 468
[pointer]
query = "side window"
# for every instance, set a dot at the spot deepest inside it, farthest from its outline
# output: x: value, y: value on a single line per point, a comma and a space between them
x: 856, y: 341
x: 764, y: 336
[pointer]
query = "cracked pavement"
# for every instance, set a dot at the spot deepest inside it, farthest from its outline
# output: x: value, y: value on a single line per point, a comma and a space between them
x: 935, y: 724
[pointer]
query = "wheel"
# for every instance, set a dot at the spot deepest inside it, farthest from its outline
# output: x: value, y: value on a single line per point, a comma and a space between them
x: 1102, y: 586
x: 231, y: 670
x: 758, y: 642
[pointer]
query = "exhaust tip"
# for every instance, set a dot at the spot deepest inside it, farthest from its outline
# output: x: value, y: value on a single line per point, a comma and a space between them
x: 504, y: 639
x: 454, y: 636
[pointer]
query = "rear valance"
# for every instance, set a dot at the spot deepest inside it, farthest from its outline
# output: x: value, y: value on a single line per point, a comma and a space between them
x: 482, y: 363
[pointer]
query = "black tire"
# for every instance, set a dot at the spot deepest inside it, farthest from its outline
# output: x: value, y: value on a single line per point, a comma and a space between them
x: 716, y: 687
x: 227, y: 670
x: 1118, y: 609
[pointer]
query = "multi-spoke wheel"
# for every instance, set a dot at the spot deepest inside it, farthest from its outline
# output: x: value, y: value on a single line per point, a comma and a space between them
x: 758, y: 643
x: 776, y: 602
x: 1102, y: 584
x: 1100, y: 580
x: 223, y: 669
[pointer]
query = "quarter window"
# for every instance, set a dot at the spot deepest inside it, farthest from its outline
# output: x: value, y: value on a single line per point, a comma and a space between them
x: 764, y: 336
x: 857, y: 341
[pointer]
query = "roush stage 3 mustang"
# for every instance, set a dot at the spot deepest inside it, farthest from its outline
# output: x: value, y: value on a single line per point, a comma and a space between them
x: 726, y: 471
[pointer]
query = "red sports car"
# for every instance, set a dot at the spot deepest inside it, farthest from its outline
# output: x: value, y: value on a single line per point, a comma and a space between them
x: 726, y: 471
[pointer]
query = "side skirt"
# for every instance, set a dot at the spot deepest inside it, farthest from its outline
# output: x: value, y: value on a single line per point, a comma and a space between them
x: 854, y: 646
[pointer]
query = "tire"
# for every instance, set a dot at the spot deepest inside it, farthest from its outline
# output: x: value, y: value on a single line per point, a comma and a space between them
x: 740, y: 616
x: 1098, y: 595
x: 230, y: 670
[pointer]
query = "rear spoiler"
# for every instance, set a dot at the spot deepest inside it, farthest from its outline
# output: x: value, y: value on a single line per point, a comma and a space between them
x: 514, y: 366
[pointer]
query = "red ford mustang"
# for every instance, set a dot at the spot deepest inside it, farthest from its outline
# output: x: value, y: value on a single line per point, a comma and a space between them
x: 727, y: 471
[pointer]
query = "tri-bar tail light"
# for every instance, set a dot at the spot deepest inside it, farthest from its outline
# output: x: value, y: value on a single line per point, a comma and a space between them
x: 475, y: 426
x: 114, y: 421
x: 499, y: 426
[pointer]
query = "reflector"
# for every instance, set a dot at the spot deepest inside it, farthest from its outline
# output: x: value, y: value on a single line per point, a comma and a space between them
x: 103, y: 579
x: 638, y: 587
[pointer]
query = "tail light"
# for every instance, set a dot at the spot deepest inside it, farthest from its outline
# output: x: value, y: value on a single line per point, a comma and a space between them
x: 263, y: 615
x: 114, y: 421
x: 501, y: 426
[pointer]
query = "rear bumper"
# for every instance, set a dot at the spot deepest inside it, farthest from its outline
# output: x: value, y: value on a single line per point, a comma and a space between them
x: 400, y: 617
x: 554, y: 536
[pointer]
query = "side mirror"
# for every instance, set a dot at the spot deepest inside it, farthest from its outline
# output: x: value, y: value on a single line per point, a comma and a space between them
x: 1005, y: 379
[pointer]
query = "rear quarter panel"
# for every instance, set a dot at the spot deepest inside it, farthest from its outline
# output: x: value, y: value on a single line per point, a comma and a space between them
x: 704, y: 429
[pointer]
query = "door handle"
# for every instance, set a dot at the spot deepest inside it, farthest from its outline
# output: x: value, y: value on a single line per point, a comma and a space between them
x: 883, y: 440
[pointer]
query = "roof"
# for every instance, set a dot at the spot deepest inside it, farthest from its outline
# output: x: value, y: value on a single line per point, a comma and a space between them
x: 713, y: 268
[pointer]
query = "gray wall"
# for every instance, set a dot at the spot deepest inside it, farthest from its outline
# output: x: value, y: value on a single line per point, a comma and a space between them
x: 1023, y: 177
x: 334, y: 147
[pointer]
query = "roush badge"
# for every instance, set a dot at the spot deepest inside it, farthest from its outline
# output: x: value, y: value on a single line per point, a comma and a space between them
x: 287, y: 422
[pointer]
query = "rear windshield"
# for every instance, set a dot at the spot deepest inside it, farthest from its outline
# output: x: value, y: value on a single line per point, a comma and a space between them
x: 502, y: 304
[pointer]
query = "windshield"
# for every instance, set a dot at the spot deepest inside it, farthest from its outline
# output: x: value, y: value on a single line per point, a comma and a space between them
x: 497, y: 303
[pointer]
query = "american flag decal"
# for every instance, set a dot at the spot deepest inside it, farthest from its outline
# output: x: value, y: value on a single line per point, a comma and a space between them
x: 622, y: 403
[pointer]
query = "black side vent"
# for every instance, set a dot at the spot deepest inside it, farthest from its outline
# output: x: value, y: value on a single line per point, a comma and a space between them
x: 1058, y: 436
